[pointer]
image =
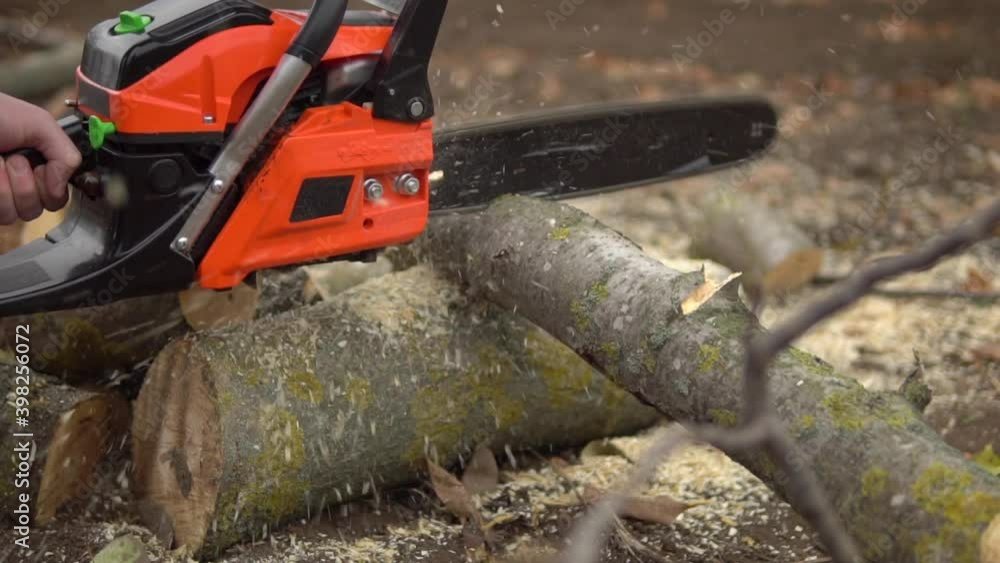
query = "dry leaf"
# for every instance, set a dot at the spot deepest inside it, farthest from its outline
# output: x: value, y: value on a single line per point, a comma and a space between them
x: 989, y: 352
x: 977, y: 282
x: 661, y: 509
x: 205, y: 309
x: 452, y: 493
x: 482, y: 474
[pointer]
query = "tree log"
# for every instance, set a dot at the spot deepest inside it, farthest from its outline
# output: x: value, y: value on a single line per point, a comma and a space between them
x: 773, y: 254
x: 903, y: 494
x: 84, y: 346
x: 245, y: 428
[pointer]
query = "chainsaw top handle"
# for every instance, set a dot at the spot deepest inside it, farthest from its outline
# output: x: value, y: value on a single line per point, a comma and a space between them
x: 318, y: 32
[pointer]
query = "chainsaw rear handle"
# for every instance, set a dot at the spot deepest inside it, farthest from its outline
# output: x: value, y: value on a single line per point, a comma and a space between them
x: 34, y: 157
x: 73, y: 127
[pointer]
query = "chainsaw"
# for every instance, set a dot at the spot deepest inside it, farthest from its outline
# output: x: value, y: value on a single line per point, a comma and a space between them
x: 221, y: 138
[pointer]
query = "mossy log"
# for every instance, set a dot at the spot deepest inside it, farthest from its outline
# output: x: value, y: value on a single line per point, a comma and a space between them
x: 903, y: 494
x: 773, y: 254
x: 85, y: 346
x: 73, y: 435
x: 239, y: 430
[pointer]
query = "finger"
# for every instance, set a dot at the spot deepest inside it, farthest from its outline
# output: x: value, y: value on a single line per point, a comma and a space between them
x: 22, y: 183
x: 38, y: 129
x: 50, y: 201
x: 8, y: 213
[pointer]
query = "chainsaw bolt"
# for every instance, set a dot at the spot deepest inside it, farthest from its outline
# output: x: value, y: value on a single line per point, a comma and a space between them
x: 374, y: 190
x: 181, y: 244
x: 408, y: 184
x: 416, y: 108
x: 217, y: 186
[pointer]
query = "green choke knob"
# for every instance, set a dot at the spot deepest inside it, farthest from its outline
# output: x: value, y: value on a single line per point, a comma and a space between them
x: 131, y: 22
x: 99, y: 130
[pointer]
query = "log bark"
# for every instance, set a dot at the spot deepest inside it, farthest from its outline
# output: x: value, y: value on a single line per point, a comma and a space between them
x: 242, y: 429
x: 773, y: 254
x: 76, y: 438
x: 86, y: 346
x: 903, y: 494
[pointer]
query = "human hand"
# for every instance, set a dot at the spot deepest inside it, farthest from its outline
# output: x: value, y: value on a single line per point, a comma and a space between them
x: 24, y: 192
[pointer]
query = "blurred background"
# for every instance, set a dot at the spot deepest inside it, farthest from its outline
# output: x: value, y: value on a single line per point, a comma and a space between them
x: 889, y: 134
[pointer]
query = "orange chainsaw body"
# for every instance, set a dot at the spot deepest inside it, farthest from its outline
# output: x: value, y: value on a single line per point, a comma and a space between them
x: 332, y: 148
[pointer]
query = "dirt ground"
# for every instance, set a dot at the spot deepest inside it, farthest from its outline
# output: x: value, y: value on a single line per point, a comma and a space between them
x: 861, y: 104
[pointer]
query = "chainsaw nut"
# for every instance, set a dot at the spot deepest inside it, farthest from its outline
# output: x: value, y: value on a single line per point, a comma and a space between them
x: 373, y: 189
x: 408, y: 184
x: 416, y: 108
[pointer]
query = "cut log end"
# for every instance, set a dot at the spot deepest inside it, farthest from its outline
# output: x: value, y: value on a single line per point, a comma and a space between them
x: 205, y: 309
x: 176, y: 448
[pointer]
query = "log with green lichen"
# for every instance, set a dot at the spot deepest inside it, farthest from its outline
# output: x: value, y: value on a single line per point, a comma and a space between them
x: 239, y: 430
x: 903, y: 494
x: 84, y: 346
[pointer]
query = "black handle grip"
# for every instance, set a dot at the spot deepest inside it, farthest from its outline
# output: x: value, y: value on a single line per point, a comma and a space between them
x: 34, y: 157
x: 318, y: 32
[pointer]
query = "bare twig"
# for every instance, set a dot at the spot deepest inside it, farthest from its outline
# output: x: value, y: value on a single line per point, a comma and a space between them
x: 929, y: 293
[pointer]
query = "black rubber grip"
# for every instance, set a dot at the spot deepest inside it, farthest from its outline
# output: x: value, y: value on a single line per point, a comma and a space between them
x: 318, y: 32
x: 34, y: 157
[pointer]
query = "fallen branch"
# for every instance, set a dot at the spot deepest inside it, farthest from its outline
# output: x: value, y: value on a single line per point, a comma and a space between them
x: 773, y: 254
x: 86, y: 346
x: 895, y: 485
x: 242, y: 429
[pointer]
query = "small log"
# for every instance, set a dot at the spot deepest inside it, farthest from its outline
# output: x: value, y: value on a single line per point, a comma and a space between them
x: 773, y: 254
x: 74, y: 434
x: 902, y: 493
x: 239, y: 430
x: 85, y: 346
